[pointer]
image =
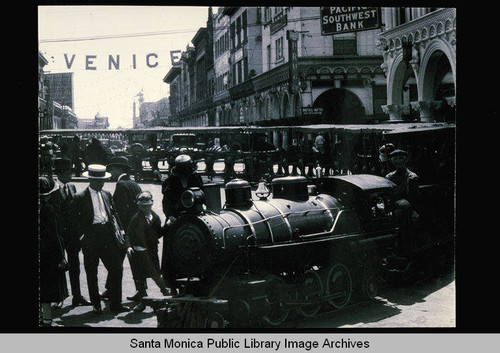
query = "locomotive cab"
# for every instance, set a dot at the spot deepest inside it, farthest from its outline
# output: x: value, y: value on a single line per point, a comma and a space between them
x: 369, y: 197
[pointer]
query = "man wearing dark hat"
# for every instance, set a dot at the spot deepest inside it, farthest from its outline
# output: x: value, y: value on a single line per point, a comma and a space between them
x: 124, y: 197
x: 182, y: 177
x: 71, y: 242
x: 91, y: 212
x: 404, y: 194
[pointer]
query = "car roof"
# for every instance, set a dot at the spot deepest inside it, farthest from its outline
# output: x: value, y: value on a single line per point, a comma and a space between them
x: 365, y: 181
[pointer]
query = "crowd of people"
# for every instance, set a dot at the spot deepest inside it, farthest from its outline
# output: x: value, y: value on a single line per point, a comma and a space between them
x: 106, y: 227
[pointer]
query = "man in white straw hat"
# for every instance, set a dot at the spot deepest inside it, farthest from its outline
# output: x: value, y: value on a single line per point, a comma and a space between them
x: 92, y: 210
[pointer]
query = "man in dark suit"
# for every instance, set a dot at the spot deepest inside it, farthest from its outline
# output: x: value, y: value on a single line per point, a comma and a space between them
x: 61, y: 201
x: 125, y: 199
x: 91, y: 212
x: 182, y: 177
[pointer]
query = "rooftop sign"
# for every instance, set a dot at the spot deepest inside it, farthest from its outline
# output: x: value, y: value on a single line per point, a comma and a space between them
x: 349, y: 19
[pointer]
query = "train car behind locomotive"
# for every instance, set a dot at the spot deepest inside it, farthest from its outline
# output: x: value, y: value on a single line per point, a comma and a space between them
x: 296, y: 250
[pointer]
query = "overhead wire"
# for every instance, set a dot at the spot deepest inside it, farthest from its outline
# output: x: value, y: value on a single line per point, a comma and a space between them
x: 159, y: 33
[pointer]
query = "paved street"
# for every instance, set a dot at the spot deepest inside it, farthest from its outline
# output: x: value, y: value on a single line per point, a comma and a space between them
x: 425, y: 303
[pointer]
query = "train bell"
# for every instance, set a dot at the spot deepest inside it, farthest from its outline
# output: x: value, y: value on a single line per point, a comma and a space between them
x: 262, y: 191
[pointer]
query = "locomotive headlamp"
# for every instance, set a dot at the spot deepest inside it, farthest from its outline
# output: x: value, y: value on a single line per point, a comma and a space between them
x: 187, y: 199
x: 378, y: 207
x: 192, y: 197
x: 380, y: 204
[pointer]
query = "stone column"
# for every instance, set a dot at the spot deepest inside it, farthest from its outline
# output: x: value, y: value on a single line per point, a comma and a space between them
x: 425, y: 109
x: 393, y: 110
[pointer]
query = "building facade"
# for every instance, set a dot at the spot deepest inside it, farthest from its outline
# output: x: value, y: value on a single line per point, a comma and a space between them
x: 55, y: 99
x: 279, y: 66
x: 272, y: 65
x: 150, y: 114
x: 99, y: 122
x: 419, y: 49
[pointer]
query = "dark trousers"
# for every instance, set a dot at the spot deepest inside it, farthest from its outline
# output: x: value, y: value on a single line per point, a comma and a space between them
x: 99, y: 244
x: 123, y: 254
x: 73, y: 252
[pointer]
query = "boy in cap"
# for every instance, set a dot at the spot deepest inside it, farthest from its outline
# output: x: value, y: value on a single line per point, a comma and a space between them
x: 91, y: 211
x: 141, y: 240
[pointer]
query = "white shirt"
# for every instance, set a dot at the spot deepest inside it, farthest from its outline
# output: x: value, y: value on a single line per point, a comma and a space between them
x: 100, y: 215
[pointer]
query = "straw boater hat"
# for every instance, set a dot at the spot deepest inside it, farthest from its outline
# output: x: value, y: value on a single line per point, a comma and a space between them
x: 120, y: 161
x: 96, y: 171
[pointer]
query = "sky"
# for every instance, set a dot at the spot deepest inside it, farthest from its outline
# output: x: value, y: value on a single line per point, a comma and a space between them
x: 81, y: 39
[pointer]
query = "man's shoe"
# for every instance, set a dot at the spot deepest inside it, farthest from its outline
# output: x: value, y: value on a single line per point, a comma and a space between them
x: 105, y: 295
x: 118, y: 308
x: 97, y: 309
x: 80, y: 301
x: 58, y: 305
x: 50, y: 323
x: 136, y: 297
x: 139, y: 308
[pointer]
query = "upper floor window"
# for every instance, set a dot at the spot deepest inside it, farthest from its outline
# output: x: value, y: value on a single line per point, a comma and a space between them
x: 267, y: 14
x: 278, y: 12
x: 345, y: 45
x: 238, y: 30
x: 279, y: 48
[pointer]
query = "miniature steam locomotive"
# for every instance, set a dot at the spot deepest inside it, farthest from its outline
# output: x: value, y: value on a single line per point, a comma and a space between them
x: 306, y: 247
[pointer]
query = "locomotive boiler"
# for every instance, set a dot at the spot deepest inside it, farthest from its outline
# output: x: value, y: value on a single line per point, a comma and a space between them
x: 258, y: 260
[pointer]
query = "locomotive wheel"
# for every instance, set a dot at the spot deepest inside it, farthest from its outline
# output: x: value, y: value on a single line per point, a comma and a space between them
x: 311, y: 290
x: 339, y: 286
x: 277, y: 295
x: 370, y: 286
x: 215, y: 320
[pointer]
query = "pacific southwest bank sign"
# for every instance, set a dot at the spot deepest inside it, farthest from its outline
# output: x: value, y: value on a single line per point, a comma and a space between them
x: 116, y: 62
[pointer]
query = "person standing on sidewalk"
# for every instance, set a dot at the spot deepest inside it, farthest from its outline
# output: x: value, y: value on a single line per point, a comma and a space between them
x: 53, y: 264
x: 71, y: 242
x: 141, y: 240
x: 124, y: 197
x: 91, y: 211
